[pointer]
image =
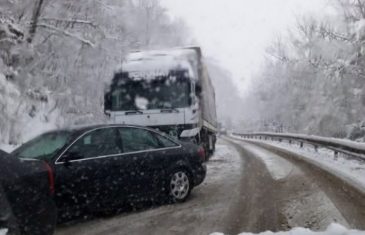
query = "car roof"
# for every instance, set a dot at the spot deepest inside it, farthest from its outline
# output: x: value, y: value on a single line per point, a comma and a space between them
x: 84, y: 128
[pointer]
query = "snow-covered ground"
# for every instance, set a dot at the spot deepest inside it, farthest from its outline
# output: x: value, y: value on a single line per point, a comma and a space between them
x: 3, y: 231
x: 350, y: 170
x: 305, y: 206
x: 278, y: 167
x: 224, y: 156
x: 333, y: 229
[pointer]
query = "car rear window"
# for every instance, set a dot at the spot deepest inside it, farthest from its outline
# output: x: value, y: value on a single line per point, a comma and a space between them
x: 135, y: 139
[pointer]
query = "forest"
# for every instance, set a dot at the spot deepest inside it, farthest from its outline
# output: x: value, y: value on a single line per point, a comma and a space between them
x: 313, y: 78
x: 56, y: 57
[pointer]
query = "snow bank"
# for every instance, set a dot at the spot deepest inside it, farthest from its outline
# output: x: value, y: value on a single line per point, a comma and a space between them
x: 333, y: 229
x: 278, y: 167
x: 349, y: 170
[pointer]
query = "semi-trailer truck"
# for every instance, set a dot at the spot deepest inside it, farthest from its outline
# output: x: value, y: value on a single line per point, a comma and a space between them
x: 169, y: 90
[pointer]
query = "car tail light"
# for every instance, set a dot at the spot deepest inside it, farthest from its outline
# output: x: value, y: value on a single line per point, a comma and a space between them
x: 201, y: 153
x: 50, y: 178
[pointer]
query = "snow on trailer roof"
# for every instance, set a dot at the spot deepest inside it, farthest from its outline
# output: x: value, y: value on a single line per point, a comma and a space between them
x: 161, y: 62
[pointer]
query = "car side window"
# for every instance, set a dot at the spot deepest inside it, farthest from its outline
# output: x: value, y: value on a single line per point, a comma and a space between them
x: 101, y: 142
x: 165, y: 142
x: 135, y: 139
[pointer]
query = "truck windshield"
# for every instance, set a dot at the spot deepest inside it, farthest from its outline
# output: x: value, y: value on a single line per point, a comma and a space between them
x: 156, y: 93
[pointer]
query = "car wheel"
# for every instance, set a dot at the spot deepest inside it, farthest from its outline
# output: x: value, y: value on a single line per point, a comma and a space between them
x: 180, y: 185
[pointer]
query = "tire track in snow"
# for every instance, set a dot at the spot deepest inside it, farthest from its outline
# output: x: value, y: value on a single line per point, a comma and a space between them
x: 315, y: 198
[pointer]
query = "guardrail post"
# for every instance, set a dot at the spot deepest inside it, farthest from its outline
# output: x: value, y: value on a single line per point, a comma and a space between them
x: 265, y: 138
x: 280, y: 140
x: 301, y: 144
x: 260, y: 137
x: 316, y: 148
x: 336, y: 155
x: 289, y: 141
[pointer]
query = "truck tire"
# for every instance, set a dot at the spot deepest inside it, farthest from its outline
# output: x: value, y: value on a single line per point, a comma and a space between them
x: 210, y: 145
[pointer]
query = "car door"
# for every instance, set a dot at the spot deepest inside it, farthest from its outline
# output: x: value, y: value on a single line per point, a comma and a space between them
x: 149, y: 159
x: 82, y: 173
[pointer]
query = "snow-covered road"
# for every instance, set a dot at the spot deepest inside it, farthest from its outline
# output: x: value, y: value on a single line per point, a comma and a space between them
x: 248, y: 188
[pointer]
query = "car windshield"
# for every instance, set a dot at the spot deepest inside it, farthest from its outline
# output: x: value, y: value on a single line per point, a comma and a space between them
x: 43, y: 146
x: 161, y: 92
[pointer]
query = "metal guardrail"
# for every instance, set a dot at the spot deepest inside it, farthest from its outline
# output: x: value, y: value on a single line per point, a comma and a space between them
x: 348, y: 149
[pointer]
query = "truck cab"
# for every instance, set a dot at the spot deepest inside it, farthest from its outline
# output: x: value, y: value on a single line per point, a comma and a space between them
x: 167, y: 90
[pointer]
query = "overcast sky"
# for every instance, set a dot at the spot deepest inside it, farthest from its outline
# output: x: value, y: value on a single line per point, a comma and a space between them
x: 236, y: 32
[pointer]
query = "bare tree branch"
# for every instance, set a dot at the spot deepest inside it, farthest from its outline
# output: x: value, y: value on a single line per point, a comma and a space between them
x: 75, y: 21
x: 33, y: 25
x: 66, y: 33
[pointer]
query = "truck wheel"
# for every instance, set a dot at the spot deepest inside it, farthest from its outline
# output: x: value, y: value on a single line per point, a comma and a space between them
x: 209, y: 147
x: 179, y: 185
x: 213, y: 150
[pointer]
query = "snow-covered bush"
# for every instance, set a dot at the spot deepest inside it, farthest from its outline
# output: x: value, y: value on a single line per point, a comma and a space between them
x: 357, y: 132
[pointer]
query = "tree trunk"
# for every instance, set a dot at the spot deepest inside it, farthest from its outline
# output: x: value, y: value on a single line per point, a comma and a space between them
x: 34, y: 22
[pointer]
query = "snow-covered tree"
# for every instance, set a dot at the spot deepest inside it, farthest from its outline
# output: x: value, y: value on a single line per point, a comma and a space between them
x: 57, y: 55
x: 313, y: 80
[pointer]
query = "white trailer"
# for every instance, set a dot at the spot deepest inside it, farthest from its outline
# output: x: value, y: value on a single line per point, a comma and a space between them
x: 169, y: 90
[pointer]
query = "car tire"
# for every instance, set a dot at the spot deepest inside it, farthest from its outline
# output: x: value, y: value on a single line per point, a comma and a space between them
x: 179, y: 185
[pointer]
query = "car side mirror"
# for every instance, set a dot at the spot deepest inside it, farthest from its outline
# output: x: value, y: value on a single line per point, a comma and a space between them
x: 107, y: 102
x: 198, y: 90
x: 71, y: 156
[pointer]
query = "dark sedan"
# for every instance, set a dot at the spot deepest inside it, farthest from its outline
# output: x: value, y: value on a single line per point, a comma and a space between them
x: 99, y: 166
x: 26, y: 187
